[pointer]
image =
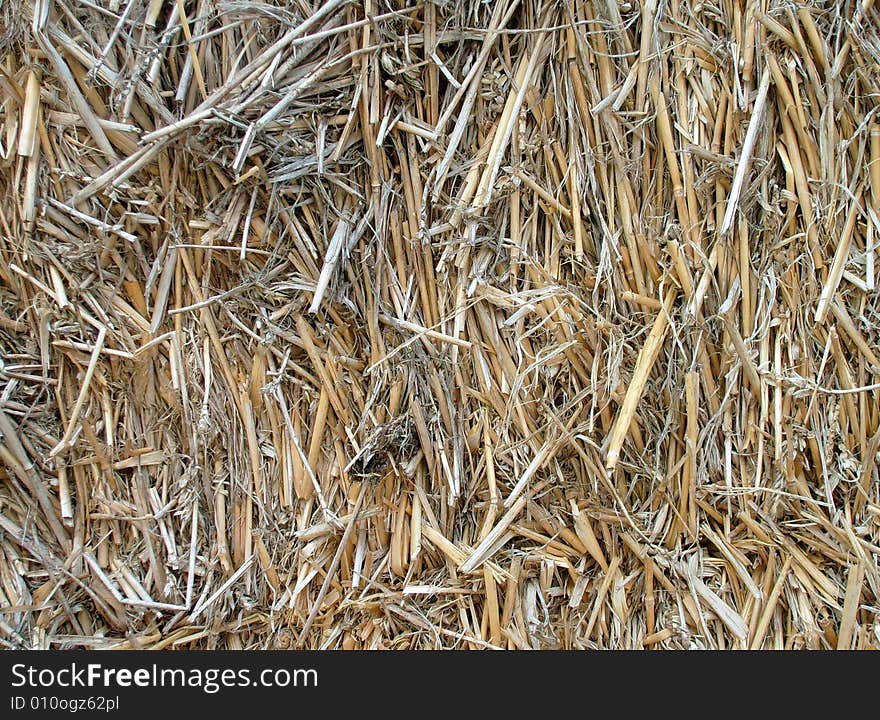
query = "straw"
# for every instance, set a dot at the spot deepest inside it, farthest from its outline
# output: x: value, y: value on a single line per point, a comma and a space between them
x: 370, y: 325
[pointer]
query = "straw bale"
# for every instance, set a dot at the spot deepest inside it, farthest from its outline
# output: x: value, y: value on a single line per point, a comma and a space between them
x: 439, y: 324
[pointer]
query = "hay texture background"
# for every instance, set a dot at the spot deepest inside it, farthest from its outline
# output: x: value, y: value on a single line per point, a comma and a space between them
x: 379, y: 324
